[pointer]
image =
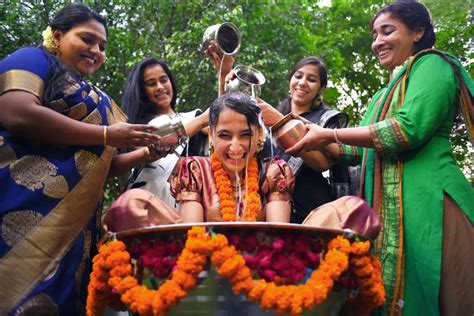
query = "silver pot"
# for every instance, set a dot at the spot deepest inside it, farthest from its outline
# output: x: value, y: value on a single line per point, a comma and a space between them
x: 172, y: 133
x: 227, y: 36
x: 247, y: 80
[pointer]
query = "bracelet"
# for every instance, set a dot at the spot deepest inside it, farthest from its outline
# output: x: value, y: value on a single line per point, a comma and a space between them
x: 338, y: 142
x: 105, y: 135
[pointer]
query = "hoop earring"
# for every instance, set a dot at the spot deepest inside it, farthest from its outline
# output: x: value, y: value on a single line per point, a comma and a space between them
x: 289, y: 94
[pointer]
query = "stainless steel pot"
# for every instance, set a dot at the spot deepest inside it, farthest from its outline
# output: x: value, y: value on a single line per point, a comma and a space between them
x: 172, y: 132
x: 227, y: 36
x: 247, y: 80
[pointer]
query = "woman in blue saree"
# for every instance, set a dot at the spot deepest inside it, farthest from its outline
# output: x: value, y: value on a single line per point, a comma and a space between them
x: 58, y: 135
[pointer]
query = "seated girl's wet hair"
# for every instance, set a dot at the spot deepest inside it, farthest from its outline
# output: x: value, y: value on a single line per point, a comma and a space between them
x: 239, y: 102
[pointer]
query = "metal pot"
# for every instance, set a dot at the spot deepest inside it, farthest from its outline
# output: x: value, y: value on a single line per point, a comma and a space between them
x: 227, y: 36
x: 172, y: 132
x: 289, y: 130
x: 247, y: 80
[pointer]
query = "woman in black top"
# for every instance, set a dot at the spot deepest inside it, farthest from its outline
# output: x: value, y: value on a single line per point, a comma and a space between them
x: 308, y: 79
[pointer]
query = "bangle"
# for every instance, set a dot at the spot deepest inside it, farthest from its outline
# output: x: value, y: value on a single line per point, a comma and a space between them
x: 105, y: 135
x: 338, y: 142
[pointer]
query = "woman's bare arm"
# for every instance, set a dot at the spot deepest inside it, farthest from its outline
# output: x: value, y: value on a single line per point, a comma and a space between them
x: 191, y: 212
x: 22, y: 114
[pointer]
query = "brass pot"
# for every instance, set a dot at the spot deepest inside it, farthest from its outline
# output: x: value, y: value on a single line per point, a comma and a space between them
x: 227, y: 36
x: 289, y: 130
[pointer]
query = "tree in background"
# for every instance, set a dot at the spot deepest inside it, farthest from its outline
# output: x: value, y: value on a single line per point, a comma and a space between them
x: 276, y: 34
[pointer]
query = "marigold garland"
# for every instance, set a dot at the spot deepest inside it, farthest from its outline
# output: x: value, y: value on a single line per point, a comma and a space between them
x: 112, y: 272
x: 368, y: 273
x: 224, y: 189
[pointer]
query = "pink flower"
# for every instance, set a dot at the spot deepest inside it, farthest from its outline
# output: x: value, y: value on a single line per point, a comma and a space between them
x: 278, y: 244
x: 313, y: 259
x: 297, y: 276
x: 251, y: 262
x: 169, y: 262
x: 234, y: 240
x: 249, y: 243
x: 159, y: 249
x: 297, y: 260
x: 286, y: 273
x: 280, y: 262
x: 136, y: 249
x: 267, y: 274
x: 288, y: 243
x: 162, y: 271
x: 302, y: 243
x: 173, y: 248
x: 264, y: 256
x: 150, y: 261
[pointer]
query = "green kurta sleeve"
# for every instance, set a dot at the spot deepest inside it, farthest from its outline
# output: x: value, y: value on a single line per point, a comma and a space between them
x: 431, y: 86
x: 352, y: 155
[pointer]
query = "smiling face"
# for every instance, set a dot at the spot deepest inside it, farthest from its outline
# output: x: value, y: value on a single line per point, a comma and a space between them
x: 393, y: 42
x: 305, y: 85
x: 158, y: 88
x: 82, y: 48
x: 234, y: 142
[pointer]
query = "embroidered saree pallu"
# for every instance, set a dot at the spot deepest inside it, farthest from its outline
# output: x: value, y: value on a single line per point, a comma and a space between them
x: 235, y: 268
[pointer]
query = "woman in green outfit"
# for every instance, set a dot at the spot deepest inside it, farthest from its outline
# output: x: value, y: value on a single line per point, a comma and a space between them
x: 409, y: 175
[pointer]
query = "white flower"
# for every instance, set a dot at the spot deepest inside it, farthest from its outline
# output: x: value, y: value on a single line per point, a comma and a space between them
x: 48, y: 41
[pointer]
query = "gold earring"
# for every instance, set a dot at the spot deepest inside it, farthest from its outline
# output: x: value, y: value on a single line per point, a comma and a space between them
x: 260, y: 144
x: 211, y: 148
x: 318, y: 101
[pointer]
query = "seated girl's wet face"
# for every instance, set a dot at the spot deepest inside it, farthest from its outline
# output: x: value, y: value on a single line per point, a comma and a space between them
x: 235, y: 137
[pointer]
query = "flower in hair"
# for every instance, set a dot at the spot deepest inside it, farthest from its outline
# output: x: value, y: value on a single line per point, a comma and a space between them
x: 49, y: 42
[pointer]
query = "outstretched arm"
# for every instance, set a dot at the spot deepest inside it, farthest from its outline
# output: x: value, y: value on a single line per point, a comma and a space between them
x: 318, y: 138
x: 316, y: 160
x: 22, y: 114
x: 197, y: 124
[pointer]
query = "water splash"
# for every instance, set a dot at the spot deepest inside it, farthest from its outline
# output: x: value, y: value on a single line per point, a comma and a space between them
x: 272, y: 143
x: 187, y: 147
x: 239, y: 198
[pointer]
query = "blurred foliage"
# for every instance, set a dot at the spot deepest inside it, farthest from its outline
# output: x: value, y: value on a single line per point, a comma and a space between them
x: 276, y: 34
